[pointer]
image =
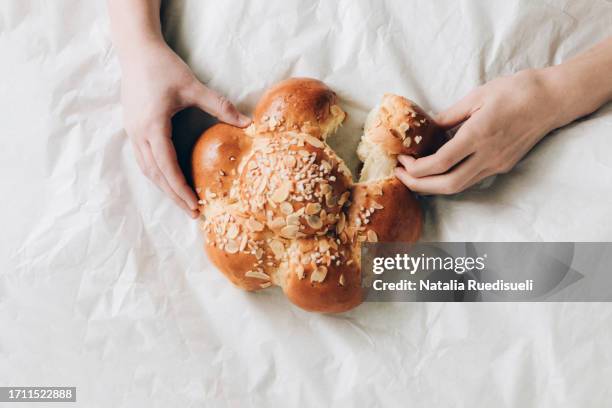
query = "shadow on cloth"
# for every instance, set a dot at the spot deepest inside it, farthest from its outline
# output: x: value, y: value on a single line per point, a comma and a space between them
x: 187, y: 126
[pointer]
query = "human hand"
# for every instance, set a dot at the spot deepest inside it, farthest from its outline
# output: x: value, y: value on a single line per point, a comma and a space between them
x: 503, y: 120
x: 157, y: 84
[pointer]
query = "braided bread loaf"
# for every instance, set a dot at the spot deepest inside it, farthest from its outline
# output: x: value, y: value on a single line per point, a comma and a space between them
x: 279, y: 207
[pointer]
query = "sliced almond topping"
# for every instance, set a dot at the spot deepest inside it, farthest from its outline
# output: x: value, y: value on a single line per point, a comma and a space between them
x: 314, y: 221
x: 262, y: 186
x: 286, y: 208
x: 299, y: 271
x: 277, y: 223
x: 376, y: 206
x: 407, y: 141
x: 243, y: 242
x: 404, y: 127
x: 265, y: 285
x: 349, y: 232
x: 282, y: 192
x: 341, y: 280
x: 290, y: 231
x: 323, y: 245
x: 278, y: 248
x: 372, y: 237
x: 257, y: 275
x: 313, y: 141
x: 255, y: 225
x: 341, y: 224
x: 331, y: 200
x: 313, y: 208
x: 232, y: 231
x: 293, y: 219
x: 319, y: 274
x: 323, y: 214
x: 344, y: 198
x: 325, y: 165
x: 418, y: 139
x: 231, y: 247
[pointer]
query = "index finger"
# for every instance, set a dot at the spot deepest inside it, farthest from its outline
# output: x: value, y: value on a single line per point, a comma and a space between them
x: 451, y: 153
x: 449, y: 183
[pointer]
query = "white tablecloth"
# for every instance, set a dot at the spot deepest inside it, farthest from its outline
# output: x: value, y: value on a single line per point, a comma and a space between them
x: 104, y: 284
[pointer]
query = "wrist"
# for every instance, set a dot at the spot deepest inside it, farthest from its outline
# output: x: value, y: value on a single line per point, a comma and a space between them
x: 576, y: 90
x: 545, y: 96
x: 558, y: 90
x: 136, y: 28
x: 140, y: 52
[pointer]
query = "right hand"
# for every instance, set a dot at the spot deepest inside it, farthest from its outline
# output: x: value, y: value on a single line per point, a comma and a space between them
x: 156, y: 84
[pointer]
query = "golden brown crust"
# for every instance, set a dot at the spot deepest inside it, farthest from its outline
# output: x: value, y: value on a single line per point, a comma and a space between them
x: 402, y: 127
x: 216, y: 157
x: 326, y: 286
x: 279, y: 206
x: 294, y: 175
x: 299, y: 104
x: 235, y: 266
x: 385, y: 211
x: 235, y: 248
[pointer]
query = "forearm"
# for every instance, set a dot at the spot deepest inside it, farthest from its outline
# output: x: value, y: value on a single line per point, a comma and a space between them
x: 135, y: 24
x: 583, y: 84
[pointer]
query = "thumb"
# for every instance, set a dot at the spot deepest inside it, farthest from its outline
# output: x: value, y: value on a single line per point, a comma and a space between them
x: 459, y: 112
x: 218, y: 105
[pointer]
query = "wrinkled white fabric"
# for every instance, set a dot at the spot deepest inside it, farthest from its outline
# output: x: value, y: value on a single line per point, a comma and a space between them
x: 104, y: 284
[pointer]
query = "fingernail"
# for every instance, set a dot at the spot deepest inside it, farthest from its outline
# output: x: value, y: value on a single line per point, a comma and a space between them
x: 244, y: 120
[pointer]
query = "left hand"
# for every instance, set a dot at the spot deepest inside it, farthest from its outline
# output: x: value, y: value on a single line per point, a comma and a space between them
x: 156, y: 84
x: 503, y: 120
